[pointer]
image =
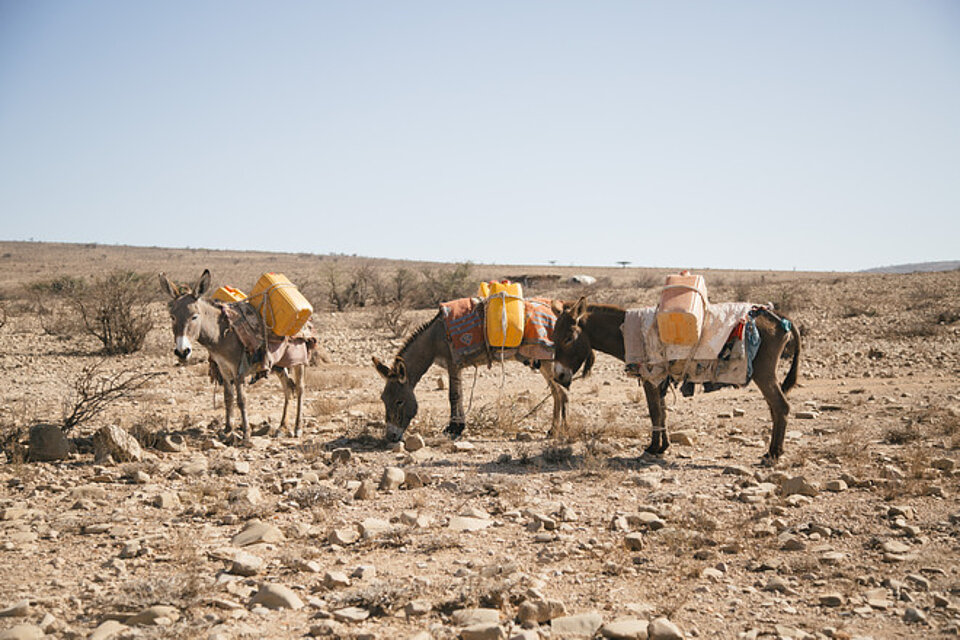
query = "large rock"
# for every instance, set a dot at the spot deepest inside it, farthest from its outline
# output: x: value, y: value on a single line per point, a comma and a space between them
x: 107, y: 630
x: 472, y: 617
x: 276, y: 596
x: 48, y: 443
x: 540, y: 610
x: 584, y: 625
x: 663, y: 629
x: 22, y: 632
x: 482, y: 632
x: 392, y: 478
x: 798, y: 485
x: 630, y: 629
x: 255, y: 532
x: 112, y: 442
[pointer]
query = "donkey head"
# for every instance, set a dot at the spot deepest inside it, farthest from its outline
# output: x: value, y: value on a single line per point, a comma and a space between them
x: 571, y: 344
x: 185, y: 312
x: 398, y: 399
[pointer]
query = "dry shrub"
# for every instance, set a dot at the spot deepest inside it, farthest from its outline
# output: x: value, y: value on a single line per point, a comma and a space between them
x: 325, y: 406
x: 392, y: 318
x: 115, y: 310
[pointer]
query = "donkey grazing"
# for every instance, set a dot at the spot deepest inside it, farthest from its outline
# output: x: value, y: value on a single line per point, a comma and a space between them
x: 196, y: 319
x: 428, y: 344
x: 584, y: 327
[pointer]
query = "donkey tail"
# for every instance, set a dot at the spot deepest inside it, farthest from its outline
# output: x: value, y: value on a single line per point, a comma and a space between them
x: 791, y: 380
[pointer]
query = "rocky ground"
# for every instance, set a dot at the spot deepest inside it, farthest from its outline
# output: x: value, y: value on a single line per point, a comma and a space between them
x: 504, y: 534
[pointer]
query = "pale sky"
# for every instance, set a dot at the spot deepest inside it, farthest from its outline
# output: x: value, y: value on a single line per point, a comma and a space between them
x: 811, y: 135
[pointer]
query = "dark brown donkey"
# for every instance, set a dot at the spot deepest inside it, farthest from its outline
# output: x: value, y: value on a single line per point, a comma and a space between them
x: 426, y: 345
x: 197, y: 320
x: 584, y: 327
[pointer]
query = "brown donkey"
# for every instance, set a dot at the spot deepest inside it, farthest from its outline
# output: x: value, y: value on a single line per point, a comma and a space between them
x: 197, y: 320
x: 428, y: 344
x: 584, y: 327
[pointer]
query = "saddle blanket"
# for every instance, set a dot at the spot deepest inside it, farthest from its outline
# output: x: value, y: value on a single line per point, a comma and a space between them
x: 727, y: 328
x: 279, y: 351
x: 463, y: 320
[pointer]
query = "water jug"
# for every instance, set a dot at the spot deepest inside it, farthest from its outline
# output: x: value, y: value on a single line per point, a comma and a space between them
x: 504, y: 314
x: 281, y: 305
x: 680, y: 313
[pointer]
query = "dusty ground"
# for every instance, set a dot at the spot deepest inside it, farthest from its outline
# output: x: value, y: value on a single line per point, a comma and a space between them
x: 874, y: 435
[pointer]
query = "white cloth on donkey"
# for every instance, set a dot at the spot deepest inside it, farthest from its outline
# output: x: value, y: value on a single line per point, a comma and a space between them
x: 652, y: 360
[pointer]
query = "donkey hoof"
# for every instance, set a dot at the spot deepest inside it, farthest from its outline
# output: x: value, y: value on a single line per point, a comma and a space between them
x: 454, y: 430
x: 769, y: 461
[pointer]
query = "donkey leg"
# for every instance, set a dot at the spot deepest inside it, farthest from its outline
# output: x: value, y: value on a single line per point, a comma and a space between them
x: 559, y: 422
x: 779, y: 410
x: 242, y: 405
x: 658, y: 417
x: 228, y: 398
x: 457, y: 419
x: 298, y: 376
x: 287, y: 385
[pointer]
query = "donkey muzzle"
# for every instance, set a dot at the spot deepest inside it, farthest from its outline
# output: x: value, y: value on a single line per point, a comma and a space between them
x: 394, y: 433
x: 182, y: 354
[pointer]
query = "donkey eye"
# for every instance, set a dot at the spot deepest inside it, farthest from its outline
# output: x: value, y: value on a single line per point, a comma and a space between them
x: 195, y: 316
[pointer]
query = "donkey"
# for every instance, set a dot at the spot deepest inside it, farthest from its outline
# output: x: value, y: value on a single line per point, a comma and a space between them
x: 428, y: 344
x: 196, y: 319
x: 583, y: 327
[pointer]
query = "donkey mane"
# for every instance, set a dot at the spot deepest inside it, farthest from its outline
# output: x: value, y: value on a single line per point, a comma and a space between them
x: 416, y: 334
x: 604, y: 309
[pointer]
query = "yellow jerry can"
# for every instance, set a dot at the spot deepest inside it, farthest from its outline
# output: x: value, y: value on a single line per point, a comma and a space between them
x: 228, y: 294
x: 505, y: 313
x: 681, y: 309
x: 283, y: 308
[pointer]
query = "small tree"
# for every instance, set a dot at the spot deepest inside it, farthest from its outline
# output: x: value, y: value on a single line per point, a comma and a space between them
x: 114, y: 310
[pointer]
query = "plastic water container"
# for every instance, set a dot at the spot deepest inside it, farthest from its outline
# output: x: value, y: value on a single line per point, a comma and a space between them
x: 228, y: 294
x: 680, y: 313
x: 281, y: 305
x: 505, y: 313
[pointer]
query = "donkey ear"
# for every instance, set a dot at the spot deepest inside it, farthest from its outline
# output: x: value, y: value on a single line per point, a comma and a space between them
x: 168, y: 287
x: 579, y: 309
x: 382, y: 369
x: 203, y: 284
x: 400, y: 370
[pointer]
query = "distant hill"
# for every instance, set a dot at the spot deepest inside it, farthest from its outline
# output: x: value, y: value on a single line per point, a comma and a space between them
x: 950, y: 265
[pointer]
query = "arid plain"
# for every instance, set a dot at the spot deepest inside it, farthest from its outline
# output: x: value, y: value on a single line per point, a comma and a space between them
x: 504, y: 533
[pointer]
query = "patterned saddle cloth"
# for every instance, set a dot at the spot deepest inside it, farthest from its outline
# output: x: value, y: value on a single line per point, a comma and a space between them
x: 463, y: 320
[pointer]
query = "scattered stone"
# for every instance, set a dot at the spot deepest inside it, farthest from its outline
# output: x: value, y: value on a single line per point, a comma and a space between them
x: 335, y: 580
x: 482, y: 632
x: 246, y: 495
x: 831, y: 599
x: 276, y: 596
x: 19, y: 610
x: 584, y: 625
x: 167, y: 500
x: 48, y: 443
x: 471, y: 617
x: 255, y: 532
x: 633, y: 541
x: 663, y: 629
x: 366, y: 491
x: 172, y: 443
x: 341, y: 456
x: 372, y: 528
x: 392, y: 478
x: 417, y: 608
x: 246, y: 564
x: 158, y: 615
x: 799, y: 485
x: 195, y: 467
x: 466, y: 523
x: 343, y: 536
x: 414, y: 442
x: 806, y: 415
x: 913, y: 615
x: 113, y: 443
x: 540, y: 610
x: 895, y: 547
x: 628, y: 629
x: 23, y: 632
x: 835, y: 486
x: 463, y: 446
x: 351, y: 614
x: 685, y: 438
x: 107, y: 630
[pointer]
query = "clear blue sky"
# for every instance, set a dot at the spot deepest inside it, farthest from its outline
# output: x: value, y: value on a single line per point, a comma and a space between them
x: 816, y: 135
